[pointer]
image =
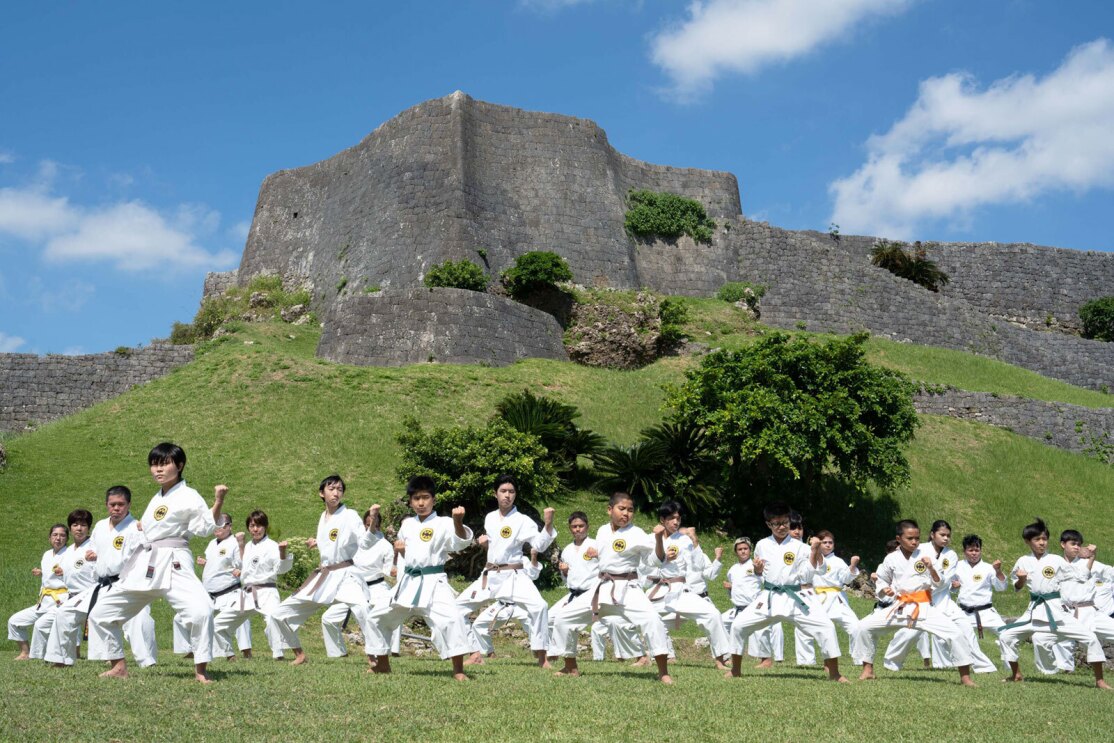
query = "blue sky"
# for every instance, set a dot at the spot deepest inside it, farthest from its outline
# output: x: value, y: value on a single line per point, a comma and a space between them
x: 134, y: 135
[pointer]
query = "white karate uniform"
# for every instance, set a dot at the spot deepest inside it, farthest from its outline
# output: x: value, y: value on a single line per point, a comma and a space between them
x: 581, y: 577
x: 39, y: 619
x: 1077, y: 594
x: 501, y: 612
x: 222, y: 557
x: 907, y: 576
x: 621, y: 552
x: 745, y: 587
x: 423, y: 588
x: 161, y: 566
x: 827, y: 584
x: 108, y: 543
x: 976, y: 586
x: 373, y: 565
x: 1104, y: 589
x: 1046, y: 577
x: 258, y: 594
x: 671, y: 595
x: 787, y: 564
x: 508, y: 536
x: 339, y: 536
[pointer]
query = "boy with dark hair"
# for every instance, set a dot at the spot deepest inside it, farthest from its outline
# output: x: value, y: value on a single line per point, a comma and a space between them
x: 621, y: 547
x: 340, y: 533
x: 425, y: 541
x: 161, y: 566
x: 909, y: 575
x: 40, y: 617
x: 220, y: 574
x: 976, y: 581
x: 785, y: 564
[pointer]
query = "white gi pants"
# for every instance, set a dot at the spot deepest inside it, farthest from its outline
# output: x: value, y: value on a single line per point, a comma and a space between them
x: 33, y: 625
x: 444, y: 617
x: 929, y: 619
x: 232, y: 620
x: 841, y: 614
x: 616, y: 598
x: 757, y: 644
x: 772, y: 607
x: 70, y: 621
x: 688, y: 605
x: 935, y: 648
x: 626, y: 642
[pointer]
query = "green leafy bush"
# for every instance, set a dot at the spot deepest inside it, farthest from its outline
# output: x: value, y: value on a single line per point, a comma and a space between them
x: 915, y: 266
x: 264, y: 298
x: 305, y: 560
x: 554, y: 424
x: 534, y: 271
x: 666, y: 215
x: 673, y: 313
x: 457, y: 275
x: 1097, y: 317
x: 742, y: 291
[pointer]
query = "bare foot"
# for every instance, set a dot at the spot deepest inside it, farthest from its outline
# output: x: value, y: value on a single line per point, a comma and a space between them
x: 231, y: 658
x: 841, y: 679
x: 115, y: 673
x: 573, y: 672
x: 188, y: 655
x: 22, y: 656
x: 246, y: 653
x: 544, y: 663
x: 475, y: 659
x: 765, y: 663
x: 866, y: 676
x: 665, y: 678
x: 299, y: 657
x: 643, y: 661
x: 1016, y: 678
x: 203, y: 678
x: 730, y: 674
x: 1100, y: 684
x: 967, y: 681
x: 720, y: 665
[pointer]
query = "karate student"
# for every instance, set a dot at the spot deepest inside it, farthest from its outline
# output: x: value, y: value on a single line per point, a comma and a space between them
x: 500, y: 612
x: 373, y: 564
x: 669, y: 592
x: 827, y: 583
x: 621, y: 546
x: 340, y: 534
x: 506, y: 533
x: 976, y: 580
x: 785, y: 565
x: 110, y: 539
x: 261, y: 561
x: 220, y: 574
x: 909, y: 575
x: 744, y: 586
x: 425, y: 541
x: 40, y: 617
x: 162, y: 565
x: 80, y: 573
x: 1044, y: 573
x: 580, y: 570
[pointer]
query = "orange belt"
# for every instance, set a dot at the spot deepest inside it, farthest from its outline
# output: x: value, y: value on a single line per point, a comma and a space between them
x: 916, y: 598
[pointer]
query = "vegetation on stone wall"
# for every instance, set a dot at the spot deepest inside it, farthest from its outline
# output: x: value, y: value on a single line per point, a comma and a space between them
x: 457, y: 275
x: 742, y: 291
x: 652, y: 214
x: 535, y: 271
x: 264, y: 298
x: 624, y: 329
x: 1097, y: 317
x: 914, y: 266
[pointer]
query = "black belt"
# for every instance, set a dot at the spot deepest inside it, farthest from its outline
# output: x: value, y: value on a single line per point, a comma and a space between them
x: 107, y: 581
x: 740, y: 608
x: 974, y: 609
x: 376, y: 581
x: 703, y: 595
x: 101, y: 583
x: 574, y: 592
x: 234, y: 587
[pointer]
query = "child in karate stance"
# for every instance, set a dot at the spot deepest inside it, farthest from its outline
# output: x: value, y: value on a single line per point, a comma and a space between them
x: 220, y: 574
x: 506, y: 533
x: 744, y: 587
x: 111, y: 538
x: 425, y: 541
x: 909, y: 575
x: 40, y: 617
x: 161, y: 566
x: 1044, y: 573
x: 340, y: 533
x: 374, y: 564
x: 827, y: 583
x: 976, y: 581
x: 785, y: 563
x: 621, y: 546
x: 262, y: 561
x: 580, y: 570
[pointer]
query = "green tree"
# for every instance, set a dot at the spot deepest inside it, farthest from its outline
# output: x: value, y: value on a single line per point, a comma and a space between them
x: 535, y: 271
x: 1097, y: 317
x: 782, y: 412
x: 456, y: 275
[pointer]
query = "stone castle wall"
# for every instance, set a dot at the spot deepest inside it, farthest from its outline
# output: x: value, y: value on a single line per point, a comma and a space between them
x: 456, y: 326
x: 37, y: 389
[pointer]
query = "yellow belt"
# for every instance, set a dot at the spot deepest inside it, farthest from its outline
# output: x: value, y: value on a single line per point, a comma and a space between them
x: 827, y: 589
x: 54, y: 593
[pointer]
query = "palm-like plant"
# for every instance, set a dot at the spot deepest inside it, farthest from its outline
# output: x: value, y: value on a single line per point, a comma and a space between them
x: 554, y: 424
x: 636, y: 470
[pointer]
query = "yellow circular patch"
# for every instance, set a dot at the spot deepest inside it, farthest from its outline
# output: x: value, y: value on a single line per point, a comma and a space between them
x: 919, y: 566
x: 1048, y: 572
x: 588, y: 557
x: 619, y: 545
x: 505, y: 532
x: 425, y: 535
x: 976, y: 578
x: 118, y: 543
x: 789, y: 557
x: 223, y: 552
x: 671, y: 553
x: 827, y: 568
x: 160, y: 513
x: 332, y: 536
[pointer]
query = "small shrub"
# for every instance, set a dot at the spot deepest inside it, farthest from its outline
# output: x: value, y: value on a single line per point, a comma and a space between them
x: 372, y: 289
x: 123, y: 351
x: 1097, y: 317
x: 304, y: 559
x: 742, y: 291
x: 673, y: 313
x: 457, y: 275
x: 915, y: 266
x: 183, y: 334
x: 667, y: 215
x: 341, y: 284
x: 534, y: 271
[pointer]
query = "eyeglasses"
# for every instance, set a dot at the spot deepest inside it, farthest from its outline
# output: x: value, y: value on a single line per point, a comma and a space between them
x: 777, y: 524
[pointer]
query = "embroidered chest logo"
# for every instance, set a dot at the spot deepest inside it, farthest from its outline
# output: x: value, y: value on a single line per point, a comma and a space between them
x: 224, y: 552
x: 1048, y: 572
x: 78, y: 563
x: 619, y: 545
x: 789, y: 557
x: 976, y: 578
x: 425, y: 535
x: 505, y: 532
x: 750, y: 571
x: 118, y: 543
x: 947, y: 563
x: 587, y: 556
x: 255, y: 560
x: 160, y: 513
x: 55, y: 569
x: 671, y: 553
x: 919, y: 566
x: 827, y: 568
x: 333, y: 535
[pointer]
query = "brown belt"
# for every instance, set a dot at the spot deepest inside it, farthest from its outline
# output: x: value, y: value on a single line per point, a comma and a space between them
x: 492, y: 567
x: 254, y: 588
x: 1082, y: 605
x: 321, y: 573
x: 659, y: 582
x: 609, y: 578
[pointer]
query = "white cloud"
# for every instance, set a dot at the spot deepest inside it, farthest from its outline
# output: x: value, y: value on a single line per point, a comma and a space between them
x: 6, y: 157
x: 958, y: 148
x: 130, y: 234
x: 9, y: 343
x: 745, y: 35
x: 240, y: 230
x: 69, y: 296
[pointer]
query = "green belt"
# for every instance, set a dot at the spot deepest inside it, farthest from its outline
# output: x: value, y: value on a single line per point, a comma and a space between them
x: 1035, y: 600
x: 792, y: 592
x: 421, y: 573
